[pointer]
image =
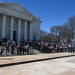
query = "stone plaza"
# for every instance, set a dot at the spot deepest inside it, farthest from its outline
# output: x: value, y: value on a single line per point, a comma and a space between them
x: 58, y: 66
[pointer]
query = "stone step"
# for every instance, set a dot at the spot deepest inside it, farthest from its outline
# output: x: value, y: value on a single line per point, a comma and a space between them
x: 35, y: 51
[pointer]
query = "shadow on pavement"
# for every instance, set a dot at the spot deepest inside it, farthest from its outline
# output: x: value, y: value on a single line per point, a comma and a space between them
x: 31, y: 61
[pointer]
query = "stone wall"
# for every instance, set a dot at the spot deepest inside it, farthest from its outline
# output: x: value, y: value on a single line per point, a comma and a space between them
x: 22, y: 30
x: 36, y: 30
x: 16, y: 27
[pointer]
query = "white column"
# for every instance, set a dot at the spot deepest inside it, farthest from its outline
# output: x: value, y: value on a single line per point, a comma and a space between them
x: 19, y: 29
x: 3, y: 26
x: 25, y: 30
x: 39, y: 32
x: 31, y: 32
x: 12, y: 24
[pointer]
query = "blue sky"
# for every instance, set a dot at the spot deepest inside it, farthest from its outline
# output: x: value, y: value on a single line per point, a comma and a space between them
x: 51, y: 12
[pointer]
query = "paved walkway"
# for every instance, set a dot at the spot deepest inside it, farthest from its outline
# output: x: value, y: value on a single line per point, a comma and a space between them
x: 62, y: 66
x: 25, y: 58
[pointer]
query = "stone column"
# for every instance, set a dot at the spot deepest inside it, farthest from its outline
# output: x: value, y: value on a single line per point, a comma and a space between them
x: 12, y: 26
x: 19, y: 29
x: 25, y: 30
x: 31, y: 32
x: 3, y: 26
x: 39, y: 33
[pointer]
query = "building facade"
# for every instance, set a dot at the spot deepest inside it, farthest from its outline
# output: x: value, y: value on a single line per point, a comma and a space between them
x: 16, y: 23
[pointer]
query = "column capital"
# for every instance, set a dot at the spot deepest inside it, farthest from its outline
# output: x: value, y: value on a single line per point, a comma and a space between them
x: 4, y: 14
x: 25, y: 20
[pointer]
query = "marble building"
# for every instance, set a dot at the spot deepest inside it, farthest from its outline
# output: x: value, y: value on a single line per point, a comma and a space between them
x: 17, y: 23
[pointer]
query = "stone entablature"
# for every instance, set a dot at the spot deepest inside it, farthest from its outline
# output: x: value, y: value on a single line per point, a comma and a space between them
x: 17, y: 14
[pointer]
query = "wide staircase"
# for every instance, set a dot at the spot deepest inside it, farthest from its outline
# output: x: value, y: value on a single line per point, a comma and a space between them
x: 35, y: 51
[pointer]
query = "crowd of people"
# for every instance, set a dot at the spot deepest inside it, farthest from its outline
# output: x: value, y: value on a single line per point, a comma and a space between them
x: 12, y: 47
x: 48, y: 47
x: 24, y: 47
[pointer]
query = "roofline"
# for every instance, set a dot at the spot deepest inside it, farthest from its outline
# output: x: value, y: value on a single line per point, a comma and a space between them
x: 10, y: 3
x: 13, y: 3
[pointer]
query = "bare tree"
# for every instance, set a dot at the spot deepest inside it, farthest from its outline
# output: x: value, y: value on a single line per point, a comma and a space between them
x: 71, y: 25
x: 65, y: 33
x: 56, y: 31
